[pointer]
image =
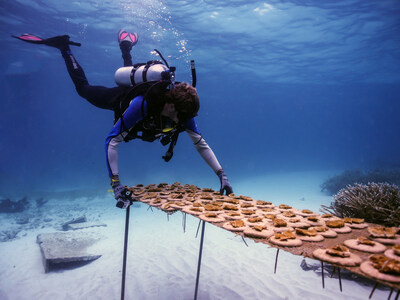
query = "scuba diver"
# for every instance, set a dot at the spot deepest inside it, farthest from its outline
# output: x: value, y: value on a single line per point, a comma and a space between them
x: 148, y: 104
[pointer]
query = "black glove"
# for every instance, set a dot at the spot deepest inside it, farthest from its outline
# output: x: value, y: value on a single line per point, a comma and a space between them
x: 121, y: 194
x: 225, y: 185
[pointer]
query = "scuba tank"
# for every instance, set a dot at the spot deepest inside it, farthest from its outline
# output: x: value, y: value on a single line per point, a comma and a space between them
x: 153, y: 70
x: 139, y: 73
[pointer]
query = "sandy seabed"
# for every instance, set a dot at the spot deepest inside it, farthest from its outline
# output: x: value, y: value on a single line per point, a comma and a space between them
x: 162, y: 258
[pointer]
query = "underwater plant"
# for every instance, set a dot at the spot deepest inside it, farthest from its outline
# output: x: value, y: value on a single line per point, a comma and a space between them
x: 375, y: 202
x: 334, y: 184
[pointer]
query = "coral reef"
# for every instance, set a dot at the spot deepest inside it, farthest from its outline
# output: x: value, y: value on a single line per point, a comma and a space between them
x: 9, y: 206
x: 375, y: 202
x: 349, y: 177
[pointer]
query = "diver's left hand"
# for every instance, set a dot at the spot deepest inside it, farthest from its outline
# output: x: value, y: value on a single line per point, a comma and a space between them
x: 225, y: 185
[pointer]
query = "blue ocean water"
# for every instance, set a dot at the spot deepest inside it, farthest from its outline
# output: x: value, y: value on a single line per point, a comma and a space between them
x: 283, y: 85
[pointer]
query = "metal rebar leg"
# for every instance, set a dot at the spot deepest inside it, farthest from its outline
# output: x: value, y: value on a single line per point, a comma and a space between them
x: 323, y: 279
x: 333, y: 271
x: 125, y: 252
x: 390, y: 294
x: 244, y: 241
x: 199, y: 262
x: 198, y: 227
x: 340, y: 280
x: 373, y: 290
x: 184, y: 222
x: 276, y: 260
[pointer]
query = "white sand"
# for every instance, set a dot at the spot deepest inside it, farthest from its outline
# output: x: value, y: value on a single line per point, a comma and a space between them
x: 162, y: 259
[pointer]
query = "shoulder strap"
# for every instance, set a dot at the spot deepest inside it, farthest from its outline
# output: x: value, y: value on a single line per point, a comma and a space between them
x: 126, y: 98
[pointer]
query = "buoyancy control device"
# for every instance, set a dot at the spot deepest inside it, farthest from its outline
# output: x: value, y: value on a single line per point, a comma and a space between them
x: 143, y: 78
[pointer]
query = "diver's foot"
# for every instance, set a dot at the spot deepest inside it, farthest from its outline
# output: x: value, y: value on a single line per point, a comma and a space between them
x: 60, y: 42
x: 126, y: 39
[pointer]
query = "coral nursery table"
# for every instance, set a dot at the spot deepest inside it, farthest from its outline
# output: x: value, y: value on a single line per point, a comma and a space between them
x: 280, y: 226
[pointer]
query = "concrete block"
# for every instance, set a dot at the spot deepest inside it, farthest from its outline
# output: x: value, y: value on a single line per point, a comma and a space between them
x: 66, y: 248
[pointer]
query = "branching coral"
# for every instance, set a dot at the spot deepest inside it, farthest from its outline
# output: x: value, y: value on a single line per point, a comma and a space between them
x: 375, y: 202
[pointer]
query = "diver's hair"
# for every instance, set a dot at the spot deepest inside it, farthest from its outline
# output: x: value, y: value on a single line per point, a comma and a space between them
x: 185, y: 98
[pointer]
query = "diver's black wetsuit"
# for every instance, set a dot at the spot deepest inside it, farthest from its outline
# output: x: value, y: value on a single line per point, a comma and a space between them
x: 99, y: 96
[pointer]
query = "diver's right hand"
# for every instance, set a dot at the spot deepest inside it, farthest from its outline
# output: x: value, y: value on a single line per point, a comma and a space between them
x: 121, y: 194
x: 123, y: 203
